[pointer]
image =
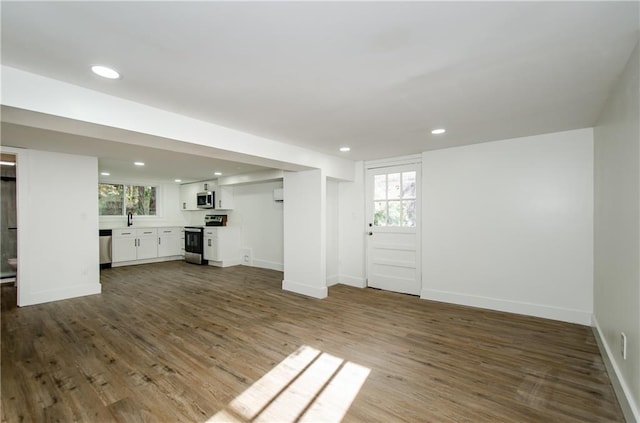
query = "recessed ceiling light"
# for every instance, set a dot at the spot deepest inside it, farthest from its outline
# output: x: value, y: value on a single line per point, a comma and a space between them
x: 105, y: 174
x: 345, y: 149
x: 438, y: 131
x: 105, y: 72
x: 217, y: 173
x: 138, y: 163
x: 3, y: 163
x: 177, y: 180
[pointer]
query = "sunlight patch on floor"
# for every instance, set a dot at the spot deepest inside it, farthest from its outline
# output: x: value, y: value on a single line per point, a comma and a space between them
x: 307, y: 386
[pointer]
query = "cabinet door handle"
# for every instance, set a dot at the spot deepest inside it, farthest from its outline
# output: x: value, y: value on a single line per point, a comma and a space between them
x: 209, y: 241
x: 219, y: 204
x: 159, y: 240
x: 184, y: 206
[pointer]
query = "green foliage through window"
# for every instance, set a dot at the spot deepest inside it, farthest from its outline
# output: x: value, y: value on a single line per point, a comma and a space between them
x: 118, y: 200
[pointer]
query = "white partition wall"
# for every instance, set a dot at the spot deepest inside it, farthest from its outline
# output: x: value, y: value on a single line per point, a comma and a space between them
x: 305, y: 233
x: 332, y: 219
x: 617, y: 236
x: 508, y: 225
x: 57, y: 226
x: 260, y: 219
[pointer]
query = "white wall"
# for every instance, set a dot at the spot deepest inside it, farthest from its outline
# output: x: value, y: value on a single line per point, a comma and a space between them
x: 351, y: 230
x: 508, y: 225
x: 305, y: 233
x: 332, y: 233
x: 260, y: 219
x: 58, y: 226
x: 617, y: 235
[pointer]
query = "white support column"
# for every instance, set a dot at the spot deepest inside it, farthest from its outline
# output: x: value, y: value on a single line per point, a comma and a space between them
x: 305, y: 233
x: 351, y: 230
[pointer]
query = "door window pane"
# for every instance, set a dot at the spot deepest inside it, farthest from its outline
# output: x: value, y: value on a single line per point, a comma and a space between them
x: 409, y: 213
x: 395, y: 212
x: 380, y: 213
x: 395, y: 199
x: 380, y: 187
x: 393, y: 186
x: 408, y: 184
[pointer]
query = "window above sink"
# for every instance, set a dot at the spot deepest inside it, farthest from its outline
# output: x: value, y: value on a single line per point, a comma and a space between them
x: 120, y: 199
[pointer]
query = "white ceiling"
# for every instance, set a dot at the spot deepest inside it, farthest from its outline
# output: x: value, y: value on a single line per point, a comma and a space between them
x: 376, y: 76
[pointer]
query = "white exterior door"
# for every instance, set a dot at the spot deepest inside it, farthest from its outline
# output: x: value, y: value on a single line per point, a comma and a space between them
x: 393, y: 241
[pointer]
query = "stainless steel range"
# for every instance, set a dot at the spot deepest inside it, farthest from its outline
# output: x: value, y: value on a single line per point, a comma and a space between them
x: 194, y: 238
x: 193, y: 244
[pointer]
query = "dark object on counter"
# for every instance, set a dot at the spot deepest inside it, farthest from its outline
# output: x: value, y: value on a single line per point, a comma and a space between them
x: 215, y: 220
x: 129, y: 219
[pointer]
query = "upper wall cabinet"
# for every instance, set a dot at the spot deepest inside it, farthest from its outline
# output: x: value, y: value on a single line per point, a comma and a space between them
x: 188, y: 196
x: 224, y: 198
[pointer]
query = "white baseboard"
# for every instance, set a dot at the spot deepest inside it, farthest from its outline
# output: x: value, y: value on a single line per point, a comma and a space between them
x: 355, y: 281
x: 332, y: 280
x: 309, y: 291
x: 224, y: 263
x: 629, y: 407
x: 555, y: 313
x: 147, y: 261
x: 57, y: 295
x: 266, y: 264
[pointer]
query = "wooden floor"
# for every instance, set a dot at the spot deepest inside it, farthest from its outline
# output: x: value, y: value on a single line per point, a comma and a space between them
x: 176, y: 342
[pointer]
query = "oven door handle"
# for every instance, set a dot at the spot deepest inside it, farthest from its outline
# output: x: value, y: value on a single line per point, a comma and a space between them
x: 192, y: 230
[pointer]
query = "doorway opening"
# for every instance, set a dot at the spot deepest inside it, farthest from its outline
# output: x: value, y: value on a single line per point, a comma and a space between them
x: 8, y: 218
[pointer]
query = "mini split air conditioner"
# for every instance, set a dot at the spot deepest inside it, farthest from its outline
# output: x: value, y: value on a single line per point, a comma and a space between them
x: 278, y: 194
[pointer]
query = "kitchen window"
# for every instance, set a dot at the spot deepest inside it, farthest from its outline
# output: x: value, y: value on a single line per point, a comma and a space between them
x: 120, y: 199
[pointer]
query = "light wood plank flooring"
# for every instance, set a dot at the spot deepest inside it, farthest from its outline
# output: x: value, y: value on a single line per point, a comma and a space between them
x: 176, y: 342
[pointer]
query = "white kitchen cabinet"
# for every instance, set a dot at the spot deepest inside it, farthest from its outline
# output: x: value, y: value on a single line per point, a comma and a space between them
x: 188, y: 193
x: 169, y: 242
x: 210, y: 249
x: 147, y: 243
x: 221, y: 246
x: 188, y: 196
x: 124, y: 245
x: 134, y: 244
x: 224, y: 198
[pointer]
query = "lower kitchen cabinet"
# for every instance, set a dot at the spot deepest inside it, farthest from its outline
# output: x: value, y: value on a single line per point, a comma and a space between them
x: 169, y: 242
x: 221, y: 246
x: 147, y: 243
x: 134, y: 244
x: 124, y: 245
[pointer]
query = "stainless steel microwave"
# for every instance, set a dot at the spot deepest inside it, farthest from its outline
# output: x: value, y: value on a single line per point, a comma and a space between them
x: 206, y: 199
